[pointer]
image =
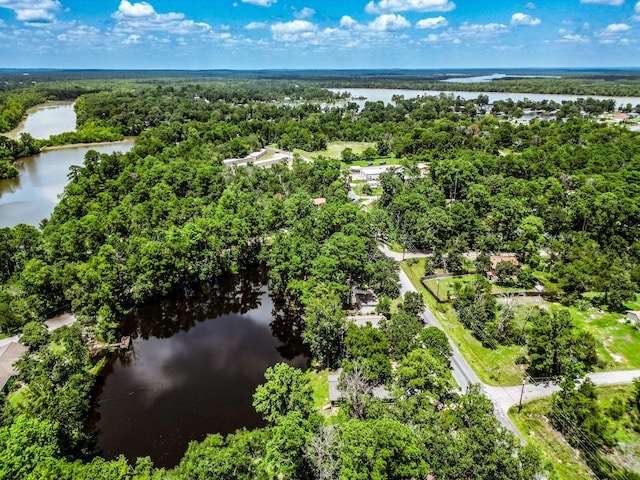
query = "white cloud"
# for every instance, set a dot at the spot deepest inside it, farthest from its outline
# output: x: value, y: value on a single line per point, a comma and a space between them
x: 636, y: 10
x: 347, y: 22
x: 614, y: 3
x: 524, y: 19
x: 260, y: 3
x: 255, y: 25
x: 384, y: 6
x: 617, y: 28
x: 431, y: 23
x: 574, y: 38
x: 142, y: 9
x: 293, y: 31
x: 473, y: 29
x: 133, y: 18
x: 306, y: 12
x: 32, y: 10
x: 613, y: 33
x: 388, y: 22
x: 132, y: 39
x: 294, y: 26
x: 530, y: 6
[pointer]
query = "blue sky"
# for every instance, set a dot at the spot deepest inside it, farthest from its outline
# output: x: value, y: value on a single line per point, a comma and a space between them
x: 256, y: 34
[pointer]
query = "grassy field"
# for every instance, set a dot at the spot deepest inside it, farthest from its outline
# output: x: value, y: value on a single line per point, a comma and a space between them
x: 443, y: 287
x: 635, y: 305
x: 494, y: 367
x: 620, y: 340
x: 564, y: 460
x: 320, y: 388
x: 334, y: 150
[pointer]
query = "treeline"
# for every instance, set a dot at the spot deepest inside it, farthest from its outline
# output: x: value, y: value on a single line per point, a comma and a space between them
x: 594, y: 427
x: 16, y: 100
x: 583, y: 85
x: 13, y: 150
x: 563, y: 189
x: 130, y: 228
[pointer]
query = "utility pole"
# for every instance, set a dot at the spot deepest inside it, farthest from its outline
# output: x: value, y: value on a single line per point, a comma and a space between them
x: 521, y: 394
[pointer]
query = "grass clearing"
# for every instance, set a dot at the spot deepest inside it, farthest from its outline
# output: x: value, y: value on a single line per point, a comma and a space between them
x: 319, y: 383
x: 443, y: 287
x: 563, y: 461
x: 494, y: 367
x: 620, y: 339
x: 635, y: 304
x: 334, y: 150
x: 18, y: 397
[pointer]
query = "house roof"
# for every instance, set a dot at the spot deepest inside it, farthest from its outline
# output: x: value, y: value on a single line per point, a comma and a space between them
x: 634, y: 312
x: 496, y: 259
x: 319, y: 201
x: 8, y: 355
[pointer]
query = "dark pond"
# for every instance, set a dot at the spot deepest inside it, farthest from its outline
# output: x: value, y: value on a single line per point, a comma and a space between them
x: 195, y: 362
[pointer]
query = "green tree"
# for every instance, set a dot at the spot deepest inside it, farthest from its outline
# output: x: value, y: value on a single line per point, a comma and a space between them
x: 287, y: 389
x: 369, y: 347
x: 402, y: 330
x: 379, y: 449
x: 34, y: 335
x: 421, y: 373
x: 325, y: 325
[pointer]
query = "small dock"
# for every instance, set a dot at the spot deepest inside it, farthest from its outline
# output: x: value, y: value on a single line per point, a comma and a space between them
x: 125, y: 343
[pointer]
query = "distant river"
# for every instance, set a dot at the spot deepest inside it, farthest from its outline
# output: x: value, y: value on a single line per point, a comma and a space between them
x: 46, y: 120
x: 34, y: 194
x: 385, y: 95
x: 195, y: 362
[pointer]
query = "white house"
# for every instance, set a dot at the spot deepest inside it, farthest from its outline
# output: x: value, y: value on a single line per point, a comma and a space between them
x: 633, y: 316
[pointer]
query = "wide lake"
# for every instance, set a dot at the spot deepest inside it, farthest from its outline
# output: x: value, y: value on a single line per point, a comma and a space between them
x: 385, y: 95
x: 195, y: 361
x: 46, y: 120
x: 33, y: 195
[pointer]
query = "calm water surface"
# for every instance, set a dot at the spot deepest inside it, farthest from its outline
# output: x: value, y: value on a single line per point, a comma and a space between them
x: 34, y: 194
x: 46, y: 120
x: 385, y: 94
x: 195, y: 362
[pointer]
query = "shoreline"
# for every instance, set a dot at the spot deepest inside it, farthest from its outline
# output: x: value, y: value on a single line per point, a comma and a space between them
x: 13, y: 134
x: 80, y: 145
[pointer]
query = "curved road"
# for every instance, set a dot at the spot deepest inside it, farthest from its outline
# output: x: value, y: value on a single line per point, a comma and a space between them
x: 503, y: 398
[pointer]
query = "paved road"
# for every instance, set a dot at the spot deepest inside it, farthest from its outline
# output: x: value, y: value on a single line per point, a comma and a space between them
x: 399, y: 256
x: 52, y: 324
x: 503, y: 398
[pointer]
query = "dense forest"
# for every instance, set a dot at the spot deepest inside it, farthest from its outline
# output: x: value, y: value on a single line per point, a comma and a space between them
x: 562, y: 194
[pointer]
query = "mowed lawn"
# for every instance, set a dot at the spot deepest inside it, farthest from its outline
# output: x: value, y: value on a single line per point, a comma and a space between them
x: 493, y: 366
x: 563, y: 459
x: 620, y: 340
x: 334, y: 149
x: 619, y: 350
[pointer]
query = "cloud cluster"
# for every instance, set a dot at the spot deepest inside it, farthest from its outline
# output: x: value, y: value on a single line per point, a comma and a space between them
x: 306, y: 12
x: 614, y: 3
x: 387, y: 6
x: 134, y: 18
x: 33, y: 11
x: 292, y: 31
x: 432, y: 23
x: 260, y: 3
x: 524, y: 19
